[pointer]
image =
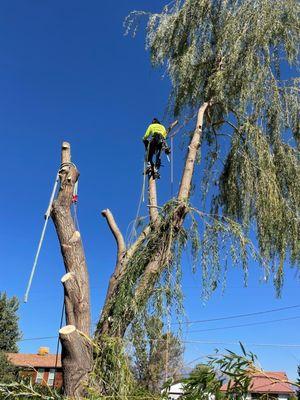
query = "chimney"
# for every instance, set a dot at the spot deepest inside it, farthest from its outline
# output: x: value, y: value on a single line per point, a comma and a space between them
x: 43, y: 351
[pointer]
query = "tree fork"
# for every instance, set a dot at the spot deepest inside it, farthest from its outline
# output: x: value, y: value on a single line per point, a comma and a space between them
x: 76, y: 350
x: 163, y: 255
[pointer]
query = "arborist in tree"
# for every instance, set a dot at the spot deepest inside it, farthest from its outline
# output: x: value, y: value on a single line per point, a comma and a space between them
x: 155, y: 141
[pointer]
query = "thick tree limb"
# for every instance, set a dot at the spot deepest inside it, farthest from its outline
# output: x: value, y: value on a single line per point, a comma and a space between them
x: 186, y: 180
x: 121, y: 247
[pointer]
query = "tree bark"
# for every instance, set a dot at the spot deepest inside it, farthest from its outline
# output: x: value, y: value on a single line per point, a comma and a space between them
x: 186, y: 180
x: 75, y: 282
x: 153, y: 210
x: 76, y: 360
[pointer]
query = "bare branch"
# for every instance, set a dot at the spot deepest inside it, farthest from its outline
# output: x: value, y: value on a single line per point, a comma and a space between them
x: 115, y: 231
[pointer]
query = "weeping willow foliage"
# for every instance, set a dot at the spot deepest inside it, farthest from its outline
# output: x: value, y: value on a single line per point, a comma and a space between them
x: 243, y: 57
x: 234, y: 55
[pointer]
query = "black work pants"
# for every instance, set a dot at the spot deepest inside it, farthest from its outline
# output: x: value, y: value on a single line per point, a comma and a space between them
x: 154, y: 148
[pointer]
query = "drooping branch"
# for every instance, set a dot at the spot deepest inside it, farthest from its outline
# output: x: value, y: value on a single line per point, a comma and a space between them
x: 145, y: 232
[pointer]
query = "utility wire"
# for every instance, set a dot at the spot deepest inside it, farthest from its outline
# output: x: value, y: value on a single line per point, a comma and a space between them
x: 237, y: 315
x: 242, y: 325
x: 276, y: 345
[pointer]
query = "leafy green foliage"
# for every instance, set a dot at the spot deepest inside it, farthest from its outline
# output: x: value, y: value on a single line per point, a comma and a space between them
x: 202, y: 383
x: 111, y: 374
x: 8, y: 372
x: 9, y: 330
x: 235, y: 54
x: 238, y: 368
x: 157, y: 355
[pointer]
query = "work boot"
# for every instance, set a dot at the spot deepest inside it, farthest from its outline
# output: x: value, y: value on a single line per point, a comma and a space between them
x: 148, y: 169
x: 156, y: 174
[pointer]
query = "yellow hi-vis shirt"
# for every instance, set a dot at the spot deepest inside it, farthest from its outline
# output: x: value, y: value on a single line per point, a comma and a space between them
x: 155, y: 128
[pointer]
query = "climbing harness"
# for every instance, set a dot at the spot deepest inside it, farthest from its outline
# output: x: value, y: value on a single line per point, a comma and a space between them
x: 47, y: 216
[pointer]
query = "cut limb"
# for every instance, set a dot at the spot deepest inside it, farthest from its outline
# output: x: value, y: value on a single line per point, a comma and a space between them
x: 76, y: 360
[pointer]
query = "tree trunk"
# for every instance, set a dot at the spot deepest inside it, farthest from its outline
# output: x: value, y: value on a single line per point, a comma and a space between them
x: 76, y: 349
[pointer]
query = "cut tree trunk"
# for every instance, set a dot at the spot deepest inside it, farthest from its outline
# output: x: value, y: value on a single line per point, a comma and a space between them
x: 76, y: 349
x: 76, y: 355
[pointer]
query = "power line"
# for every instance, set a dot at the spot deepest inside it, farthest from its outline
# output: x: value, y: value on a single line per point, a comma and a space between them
x: 279, y: 345
x: 243, y: 325
x: 237, y: 315
x: 38, y: 338
x: 276, y: 345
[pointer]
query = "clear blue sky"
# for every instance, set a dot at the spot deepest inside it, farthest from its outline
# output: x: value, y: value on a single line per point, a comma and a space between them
x: 68, y: 73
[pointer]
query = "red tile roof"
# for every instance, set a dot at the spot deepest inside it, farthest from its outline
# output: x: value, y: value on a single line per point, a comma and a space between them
x: 268, y: 382
x: 34, y: 360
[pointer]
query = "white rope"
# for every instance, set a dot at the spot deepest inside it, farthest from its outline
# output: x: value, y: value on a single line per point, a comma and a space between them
x: 133, y: 232
x: 47, y: 215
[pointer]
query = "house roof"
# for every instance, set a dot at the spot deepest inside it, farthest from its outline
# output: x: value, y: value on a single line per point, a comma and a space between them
x: 34, y: 360
x: 268, y: 382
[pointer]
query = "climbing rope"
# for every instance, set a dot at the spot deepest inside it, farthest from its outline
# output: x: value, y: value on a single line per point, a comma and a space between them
x: 47, y: 216
x: 57, y: 344
x: 172, y: 165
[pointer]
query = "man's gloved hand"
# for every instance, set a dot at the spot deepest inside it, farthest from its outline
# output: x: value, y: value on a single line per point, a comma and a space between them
x: 146, y: 142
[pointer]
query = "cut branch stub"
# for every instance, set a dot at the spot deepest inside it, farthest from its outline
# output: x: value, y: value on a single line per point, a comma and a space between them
x: 73, y: 300
x: 76, y: 360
